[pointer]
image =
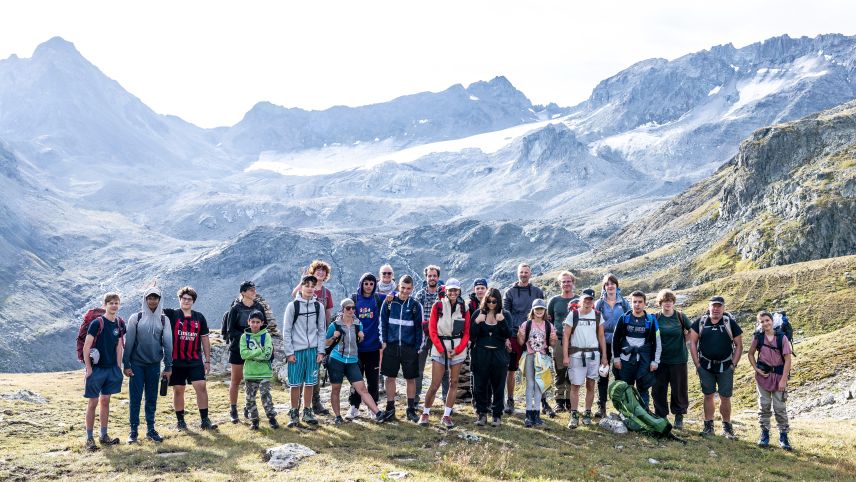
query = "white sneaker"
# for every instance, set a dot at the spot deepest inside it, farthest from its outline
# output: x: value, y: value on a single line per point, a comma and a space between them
x: 353, y: 413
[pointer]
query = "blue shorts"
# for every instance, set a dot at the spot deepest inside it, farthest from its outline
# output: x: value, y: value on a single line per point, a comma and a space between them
x: 304, y: 371
x: 103, y: 381
x: 338, y: 371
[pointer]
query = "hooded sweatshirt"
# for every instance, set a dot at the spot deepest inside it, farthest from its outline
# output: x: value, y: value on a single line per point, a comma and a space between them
x: 518, y: 301
x: 401, y: 322
x: 345, y: 350
x: 368, y: 313
x: 256, y: 351
x: 611, y: 315
x: 308, y: 330
x: 149, y: 337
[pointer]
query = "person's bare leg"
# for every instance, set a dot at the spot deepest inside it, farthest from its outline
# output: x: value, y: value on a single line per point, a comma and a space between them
x: 307, y: 396
x: 390, y: 389
x: 361, y: 389
x: 235, y: 385
x: 454, y: 371
x: 575, y: 397
x: 295, y: 398
x: 509, y: 384
x: 335, y: 397
x: 92, y: 403
x: 178, y: 397
x: 437, y: 370
x: 725, y: 408
x: 104, y: 412
x: 708, y: 407
x: 411, y: 387
x: 591, y: 385
x: 201, y: 389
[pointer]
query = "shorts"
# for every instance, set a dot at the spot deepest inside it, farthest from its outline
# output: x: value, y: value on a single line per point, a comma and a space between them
x: 452, y: 362
x: 577, y: 373
x: 514, y: 356
x: 182, y: 375
x: 722, y: 383
x: 404, y: 357
x: 338, y: 371
x: 103, y: 381
x: 235, y: 358
x: 304, y: 371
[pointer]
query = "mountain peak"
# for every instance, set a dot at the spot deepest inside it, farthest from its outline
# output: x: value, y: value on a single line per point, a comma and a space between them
x: 56, y: 45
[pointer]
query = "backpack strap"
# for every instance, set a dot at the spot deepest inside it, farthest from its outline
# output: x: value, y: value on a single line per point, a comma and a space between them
x: 576, y: 320
x: 296, y: 311
x: 527, y: 332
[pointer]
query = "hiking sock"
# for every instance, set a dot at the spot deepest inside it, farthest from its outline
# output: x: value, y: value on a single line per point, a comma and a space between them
x: 427, y: 411
x: 179, y: 414
x: 411, y: 403
x: 447, y: 411
x: 203, y: 413
x: 89, y: 433
x: 390, y: 405
x: 103, y: 432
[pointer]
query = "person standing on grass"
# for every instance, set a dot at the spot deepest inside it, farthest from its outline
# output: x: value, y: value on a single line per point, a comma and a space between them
x: 401, y: 331
x: 584, y: 353
x: 102, y: 355
x: 149, y: 343
x: 557, y: 312
x: 368, y: 304
x: 535, y: 336
x: 518, y: 301
x: 611, y: 306
x: 235, y: 325
x: 303, y: 343
x: 190, y: 342
x: 426, y: 297
x: 672, y: 371
x: 489, y: 334
x: 636, y: 347
x: 342, y: 338
x: 257, y: 352
x: 772, y: 369
x: 716, y: 344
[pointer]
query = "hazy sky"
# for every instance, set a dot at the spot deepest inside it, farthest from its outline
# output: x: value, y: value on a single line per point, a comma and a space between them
x: 210, y: 61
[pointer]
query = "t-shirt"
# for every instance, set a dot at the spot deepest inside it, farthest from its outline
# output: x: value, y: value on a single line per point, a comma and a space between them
x: 714, y: 343
x: 187, y: 333
x: 585, y: 335
x: 106, y: 341
x: 557, y: 311
x: 325, y: 297
x: 537, y: 337
x: 769, y: 354
x: 672, y: 338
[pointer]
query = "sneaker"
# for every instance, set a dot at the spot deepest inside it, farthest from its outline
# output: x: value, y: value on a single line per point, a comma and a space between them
x: 338, y: 420
x: 574, y: 421
x: 273, y: 423
x: 529, y: 422
x: 233, y: 414
x: 206, y: 424
x: 708, y: 429
x: 154, y: 436
x: 309, y: 417
x: 446, y: 422
x: 561, y: 406
x: 424, y: 420
x: 784, y: 442
x: 679, y: 421
x: 181, y: 426
x: 496, y: 422
x: 293, y: 418
x: 106, y: 440
x: 728, y: 431
x: 318, y: 409
x: 509, y: 406
x: 388, y: 415
x: 587, y: 417
x: 353, y: 413
x: 601, y: 411
x: 381, y: 415
x: 546, y: 409
x: 132, y: 437
x: 482, y: 420
x: 764, y: 439
x: 90, y: 445
x: 254, y: 424
x: 411, y: 415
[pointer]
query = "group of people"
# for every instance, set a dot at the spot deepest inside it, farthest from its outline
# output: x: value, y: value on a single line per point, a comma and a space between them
x: 384, y: 331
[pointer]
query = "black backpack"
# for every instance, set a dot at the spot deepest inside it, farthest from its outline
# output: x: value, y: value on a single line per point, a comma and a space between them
x: 297, y: 310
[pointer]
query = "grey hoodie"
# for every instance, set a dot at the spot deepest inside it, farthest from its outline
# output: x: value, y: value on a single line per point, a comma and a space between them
x: 308, y: 331
x: 149, y: 336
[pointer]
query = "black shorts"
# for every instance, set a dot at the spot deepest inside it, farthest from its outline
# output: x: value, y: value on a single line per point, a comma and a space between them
x: 514, y: 356
x: 404, y: 357
x: 235, y: 358
x: 182, y: 375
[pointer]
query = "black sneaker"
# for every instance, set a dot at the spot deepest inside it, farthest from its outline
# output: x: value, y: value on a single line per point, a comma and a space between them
x: 319, y: 409
x: 233, y: 414
x: 679, y: 421
x: 412, y: 415
x: 509, y: 406
x: 561, y: 406
x: 708, y: 429
x: 154, y: 436
x: 728, y: 431
x: 293, y: 418
x: 206, y: 424
x: 381, y: 415
x: 90, y: 445
x: 106, y: 440
x: 254, y: 424
x: 388, y: 415
x: 273, y: 423
x: 601, y: 411
x: 132, y: 437
x: 338, y: 420
x: 181, y: 425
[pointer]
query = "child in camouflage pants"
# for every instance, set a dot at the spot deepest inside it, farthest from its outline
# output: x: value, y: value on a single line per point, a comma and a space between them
x: 256, y: 348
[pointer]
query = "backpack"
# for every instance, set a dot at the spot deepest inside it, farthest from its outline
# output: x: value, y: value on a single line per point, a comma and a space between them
x: 547, y: 328
x: 783, y: 325
x: 297, y: 310
x: 637, y: 418
x: 576, y: 319
x: 122, y: 330
x: 726, y: 321
x: 84, y: 329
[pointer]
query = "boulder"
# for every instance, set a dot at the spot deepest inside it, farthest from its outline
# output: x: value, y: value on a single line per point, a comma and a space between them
x: 287, y: 456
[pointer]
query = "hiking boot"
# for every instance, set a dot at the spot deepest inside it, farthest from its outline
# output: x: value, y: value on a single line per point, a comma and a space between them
x: 381, y: 415
x: 132, y: 437
x: 482, y: 420
x: 254, y: 424
x: 233, y: 414
x: 708, y: 429
x: 106, y: 440
x: 679, y: 421
x: 509, y: 406
x: 90, y: 445
x: 318, y: 409
x: 273, y: 423
x: 411, y: 415
x: 424, y: 420
x: 181, y: 426
x: 446, y: 422
x: 205, y: 424
x: 574, y: 421
x: 309, y: 417
x: 338, y: 420
x: 728, y: 431
x: 587, y: 417
x: 601, y: 411
x: 293, y: 418
x: 496, y: 422
x: 154, y: 436
x: 784, y: 442
x: 561, y: 406
x: 529, y: 422
x: 546, y: 409
x: 764, y: 439
x: 353, y: 413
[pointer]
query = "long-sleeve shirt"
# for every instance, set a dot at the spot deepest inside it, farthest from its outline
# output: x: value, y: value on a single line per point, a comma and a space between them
x: 307, y: 330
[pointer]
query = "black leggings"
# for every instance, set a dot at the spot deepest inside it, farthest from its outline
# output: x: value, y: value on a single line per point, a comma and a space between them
x: 603, y: 382
x: 370, y: 368
x: 490, y: 367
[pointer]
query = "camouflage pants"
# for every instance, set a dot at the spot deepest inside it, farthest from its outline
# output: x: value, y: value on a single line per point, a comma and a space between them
x: 252, y: 387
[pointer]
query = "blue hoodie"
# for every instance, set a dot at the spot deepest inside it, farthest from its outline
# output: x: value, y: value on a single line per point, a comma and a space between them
x: 401, y: 322
x: 368, y: 313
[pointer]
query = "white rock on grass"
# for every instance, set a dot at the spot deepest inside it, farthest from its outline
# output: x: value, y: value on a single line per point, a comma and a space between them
x: 397, y: 475
x: 287, y: 456
x: 653, y: 461
x: 24, y: 396
x: 613, y: 425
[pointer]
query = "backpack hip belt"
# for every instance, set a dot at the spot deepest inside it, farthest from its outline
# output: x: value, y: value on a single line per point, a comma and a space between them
x: 574, y: 349
x: 711, y: 362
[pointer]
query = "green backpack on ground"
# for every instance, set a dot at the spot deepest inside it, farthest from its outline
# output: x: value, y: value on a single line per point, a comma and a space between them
x: 637, y: 419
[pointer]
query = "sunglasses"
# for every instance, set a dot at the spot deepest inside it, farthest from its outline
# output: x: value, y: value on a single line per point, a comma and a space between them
x: 387, y: 273
x: 349, y: 308
x: 492, y: 302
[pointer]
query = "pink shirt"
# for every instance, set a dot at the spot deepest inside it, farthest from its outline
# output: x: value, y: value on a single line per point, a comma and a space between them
x: 772, y: 357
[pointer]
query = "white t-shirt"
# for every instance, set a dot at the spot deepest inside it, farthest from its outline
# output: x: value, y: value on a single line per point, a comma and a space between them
x: 585, y: 336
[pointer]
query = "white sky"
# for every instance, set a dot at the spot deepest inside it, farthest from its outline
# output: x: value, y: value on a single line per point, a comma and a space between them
x: 210, y: 61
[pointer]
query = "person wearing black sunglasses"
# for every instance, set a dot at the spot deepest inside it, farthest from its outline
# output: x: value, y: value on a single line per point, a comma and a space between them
x: 489, y: 336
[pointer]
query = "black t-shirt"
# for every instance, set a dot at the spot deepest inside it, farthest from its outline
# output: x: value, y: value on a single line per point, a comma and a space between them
x: 714, y: 343
x: 187, y: 333
x: 106, y: 340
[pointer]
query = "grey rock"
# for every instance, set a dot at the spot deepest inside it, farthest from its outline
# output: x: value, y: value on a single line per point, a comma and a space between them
x: 25, y: 395
x: 614, y: 426
x: 287, y: 456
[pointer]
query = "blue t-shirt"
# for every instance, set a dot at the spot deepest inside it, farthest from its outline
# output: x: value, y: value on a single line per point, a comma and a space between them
x: 106, y: 341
